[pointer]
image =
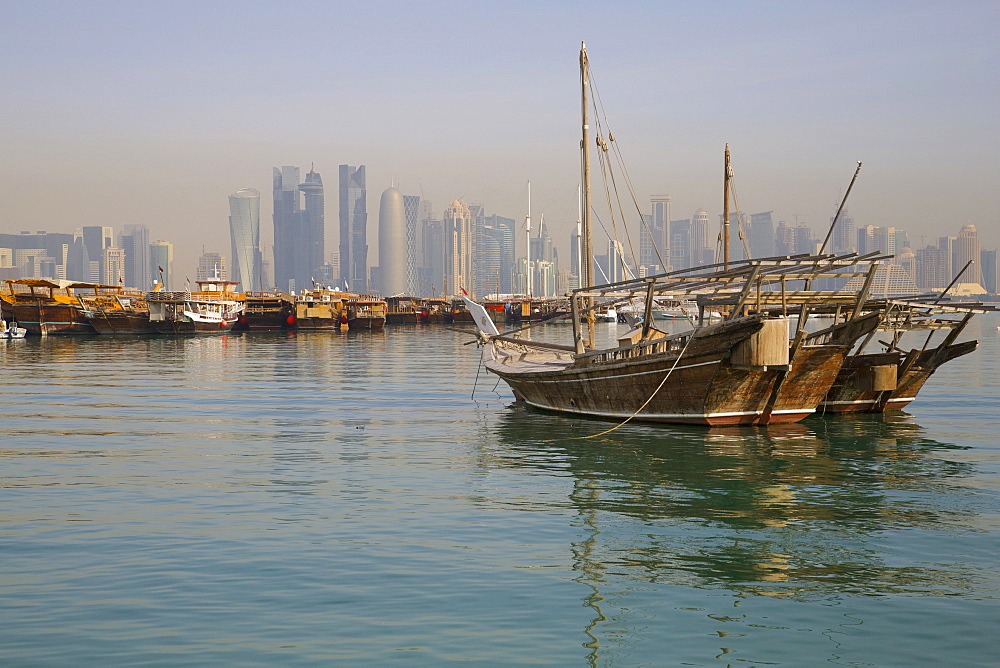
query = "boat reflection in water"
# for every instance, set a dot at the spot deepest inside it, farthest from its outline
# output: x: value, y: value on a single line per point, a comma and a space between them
x: 795, y: 511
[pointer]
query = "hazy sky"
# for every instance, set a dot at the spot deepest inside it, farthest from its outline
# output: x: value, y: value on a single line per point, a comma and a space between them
x: 141, y: 112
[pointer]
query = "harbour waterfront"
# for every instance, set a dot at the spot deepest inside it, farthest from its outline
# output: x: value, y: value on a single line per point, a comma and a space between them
x: 314, y: 497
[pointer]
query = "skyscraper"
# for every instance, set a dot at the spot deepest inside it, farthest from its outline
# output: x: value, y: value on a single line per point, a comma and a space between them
x: 244, y: 231
x: 431, y: 271
x: 353, y: 228
x: 95, y: 238
x: 458, y: 248
x: 411, y: 210
x: 212, y: 266
x: 134, y: 240
x: 286, y: 225
x: 966, y: 248
x: 312, y: 231
x: 113, y: 266
x: 392, y: 243
x: 844, y: 235
x: 701, y: 240
x: 761, y: 234
x: 161, y: 261
x: 661, y: 224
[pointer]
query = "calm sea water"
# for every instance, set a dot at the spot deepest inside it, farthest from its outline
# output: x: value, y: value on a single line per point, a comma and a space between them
x: 314, y: 499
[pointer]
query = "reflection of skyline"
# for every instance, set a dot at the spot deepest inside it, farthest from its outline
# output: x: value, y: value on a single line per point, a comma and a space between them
x: 794, y: 511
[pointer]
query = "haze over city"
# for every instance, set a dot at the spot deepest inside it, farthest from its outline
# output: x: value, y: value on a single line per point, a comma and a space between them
x: 136, y: 113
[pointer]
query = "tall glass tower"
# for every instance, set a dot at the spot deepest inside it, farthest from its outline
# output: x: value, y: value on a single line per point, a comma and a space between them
x: 161, y: 261
x: 244, y: 231
x: 134, y: 240
x: 353, y: 228
x: 286, y: 219
x: 311, y: 250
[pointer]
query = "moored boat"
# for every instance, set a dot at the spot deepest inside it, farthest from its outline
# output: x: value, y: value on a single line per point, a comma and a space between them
x: 403, y: 310
x: 366, y: 312
x: 876, y: 382
x: 213, y: 309
x: 320, y: 310
x: 267, y: 312
x: 115, y: 310
x: 44, y: 307
x: 747, y: 369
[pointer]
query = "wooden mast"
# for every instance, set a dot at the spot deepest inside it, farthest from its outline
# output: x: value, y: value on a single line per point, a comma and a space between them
x: 725, y: 212
x: 586, y: 253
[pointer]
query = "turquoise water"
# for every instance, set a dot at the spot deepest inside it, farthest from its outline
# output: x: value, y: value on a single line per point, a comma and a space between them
x: 315, y: 499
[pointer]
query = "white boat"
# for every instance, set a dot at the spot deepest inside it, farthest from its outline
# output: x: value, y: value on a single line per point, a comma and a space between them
x: 10, y: 331
x: 606, y: 315
x: 674, y: 308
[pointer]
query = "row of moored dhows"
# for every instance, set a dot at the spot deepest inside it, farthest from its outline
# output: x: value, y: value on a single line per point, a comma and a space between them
x: 44, y: 307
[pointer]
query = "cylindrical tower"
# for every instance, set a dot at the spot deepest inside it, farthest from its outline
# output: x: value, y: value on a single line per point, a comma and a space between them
x: 392, y: 243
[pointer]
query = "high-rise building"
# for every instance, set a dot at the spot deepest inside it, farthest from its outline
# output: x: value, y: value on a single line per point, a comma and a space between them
x: 212, y: 266
x: 966, y: 249
x: 866, y: 240
x: 95, y: 238
x: 493, y: 266
x: 574, y: 260
x: 988, y: 261
x: 432, y: 270
x: 392, y: 244
x: 353, y: 228
x: 805, y: 242
x: 161, y: 260
x: 285, y: 220
x: 701, y: 240
x: 660, y: 225
x: 312, y: 229
x: 458, y: 248
x: 844, y: 235
x: 113, y: 266
x: 411, y: 210
x: 488, y: 266
x: 680, y: 255
x: 933, y: 268
x: 761, y: 234
x: 134, y: 240
x: 784, y: 239
x: 244, y: 231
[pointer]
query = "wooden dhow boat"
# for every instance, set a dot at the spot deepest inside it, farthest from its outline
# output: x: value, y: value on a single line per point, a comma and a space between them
x: 889, y: 380
x: 366, y: 312
x: 46, y: 307
x: 749, y: 368
x: 267, y: 312
x: 116, y: 310
x: 320, y: 310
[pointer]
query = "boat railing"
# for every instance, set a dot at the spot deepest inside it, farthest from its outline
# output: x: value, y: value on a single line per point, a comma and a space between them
x: 659, y: 346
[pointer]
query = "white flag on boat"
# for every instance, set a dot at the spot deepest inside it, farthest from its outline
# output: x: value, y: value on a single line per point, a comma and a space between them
x: 483, y: 320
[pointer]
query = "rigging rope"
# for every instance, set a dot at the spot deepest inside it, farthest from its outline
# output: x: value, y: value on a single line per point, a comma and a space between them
x: 655, y: 392
x: 599, y: 111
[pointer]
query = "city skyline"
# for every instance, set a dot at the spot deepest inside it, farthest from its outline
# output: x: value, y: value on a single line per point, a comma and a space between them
x: 135, y: 105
